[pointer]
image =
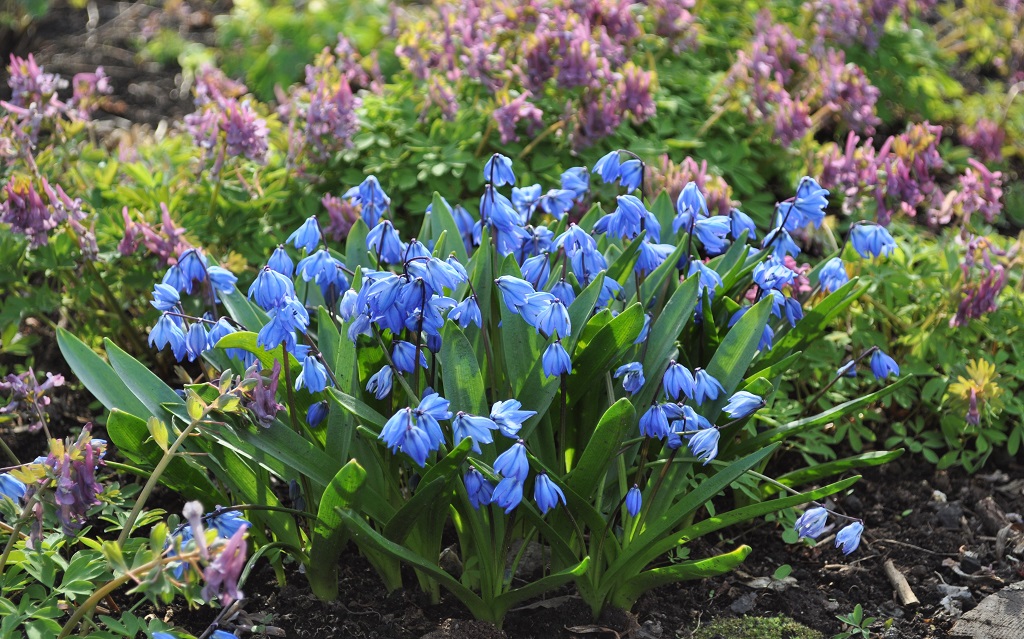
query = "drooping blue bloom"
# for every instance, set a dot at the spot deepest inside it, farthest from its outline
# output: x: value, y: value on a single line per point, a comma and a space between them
x: 227, y: 523
x: 773, y: 274
x: 536, y: 270
x: 401, y: 432
x: 380, y: 382
x: 498, y: 170
x: 525, y: 201
x: 631, y: 174
x: 465, y: 222
x: 513, y: 462
x: 704, y: 444
x: 833, y: 275
x: 175, y: 277
x: 812, y: 522
x: 555, y: 360
x: 536, y: 303
x: 347, y: 305
x: 767, y: 334
x: 223, y: 634
x: 713, y: 233
x: 433, y: 407
x: 557, y: 202
x: 645, y: 330
x: 193, y: 267
x: 739, y: 222
x: 219, y: 330
x: 404, y: 355
x: 270, y: 289
x: 634, y: 500
x: 678, y: 381
x: 373, y: 200
x: 514, y: 291
x: 586, y: 265
x: 384, y: 242
x: 705, y: 386
x: 610, y: 290
x: 632, y: 375
x: 781, y: 243
x: 281, y: 262
x: 280, y: 330
x: 651, y: 256
x: 708, y: 277
x: 314, y: 264
x: 564, y: 292
x: 508, y: 417
x: 808, y: 207
x: 306, y: 236
x: 849, y: 369
x: 222, y: 280
x: 577, y: 180
x: 167, y: 332
x: 793, y: 310
x: 313, y: 376
x: 316, y: 413
x: 196, y: 341
x: 475, y: 427
x: 546, y: 493
x: 478, y: 488
x: 467, y: 312
x: 849, y: 537
x: 553, y: 320
x: 882, y: 365
x: 625, y: 221
x: 743, y: 404
x: 575, y: 239
x: 608, y: 167
x: 654, y: 422
x: 508, y: 494
x: 165, y: 297
x: 872, y: 240
x: 690, y: 205
x: 12, y: 487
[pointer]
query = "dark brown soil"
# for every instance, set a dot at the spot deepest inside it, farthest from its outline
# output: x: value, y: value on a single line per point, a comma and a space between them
x: 932, y: 542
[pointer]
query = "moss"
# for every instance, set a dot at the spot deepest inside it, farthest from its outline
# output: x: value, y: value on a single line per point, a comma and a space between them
x: 757, y: 628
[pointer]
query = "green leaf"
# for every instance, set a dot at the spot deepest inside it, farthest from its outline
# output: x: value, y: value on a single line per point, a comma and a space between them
x: 460, y: 373
x: 537, y: 588
x: 610, y: 343
x: 737, y: 350
x: 815, y: 322
x: 359, y: 408
x: 243, y: 311
x: 813, y: 474
x: 652, y: 283
x: 356, y: 253
x: 626, y: 594
x: 520, y: 342
x: 603, y: 446
x: 665, y: 330
x: 328, y: 531
x: 160, y: 400
x: 443, y: 220
x: 97, y: 376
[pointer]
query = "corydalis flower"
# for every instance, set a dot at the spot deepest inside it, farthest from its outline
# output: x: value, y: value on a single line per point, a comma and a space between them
x: 222, y: 574
x: 28, y: 397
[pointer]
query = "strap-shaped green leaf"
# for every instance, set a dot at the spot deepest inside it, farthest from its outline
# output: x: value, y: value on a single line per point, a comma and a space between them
x: 621, y: 270
x: 665, y: 212
x: 460, y: 373
x: 607, y: 347
x: 652, y: 283
x: 520, y: 342
x: 604, y: 444
x: 442, y: 220
x: 97, y: 376
x: 626, y: 594
x: 243, y: 311
x: 815, y: 321
x: 359, y: 408
x: 813, y: 474
x: 537, y: 588
x: 663, y: 335
x: 161, y: 401
x: 329, y: 532
x: 357, y: 254
x: 737, y: 350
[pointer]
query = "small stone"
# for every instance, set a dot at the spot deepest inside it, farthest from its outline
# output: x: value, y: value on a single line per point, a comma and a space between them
x: 949, y: 515
x: 744, y: 604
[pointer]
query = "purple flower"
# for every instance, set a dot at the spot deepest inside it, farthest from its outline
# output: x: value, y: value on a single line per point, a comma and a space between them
x: 246, y: 132
x: 264, y: 404
x: 221, y: 575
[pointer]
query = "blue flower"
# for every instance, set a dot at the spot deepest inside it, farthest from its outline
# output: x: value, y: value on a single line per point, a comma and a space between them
x: 176, y: 278
x: 651, y: 256
x: 220, y: 330
x: 705, y: 386
x: 223, y: 634
x: 849, y: 369
x: 316, y: 413
x: 270, y: 289
x: 193, y: 267
x: 713, y: 233
x: 508, y: 417
x: 536, y: 270
x: 196, y: 341
x: 689, y: 206
x: 167, y: 332
x: 871, y: 240
x: 373, y: 200
x: 812, y: 522
x: 402, y: 433
x: 654, y: 422
x: 780, y: 242
x: 743, y: 404
x: 12, y: 487
x: 222, y: 280
x: 608, y: 167
x: 227, y: 523
x: 645, y: 330
x: 165, y: 297
x: 313, y: 265
x: 739, y: 222
x: 882, y: 365
x: 794, y: 312
x: 508, y: 494
x: 163, y: 635
x: 555, y: 360
x: 498, y: 170
x: 808, y: 207
x: 546, y: 493
x: 708, y: 277
x: 384, y: 242
x: 554, y: 319
x: 631, y: 174
x: 475, y: 427
x: 575, y: 239
x: 404, y: 356
x: 576, y: 179
x: 478, y: 488
x: 281, y: 262
x: 525, y: 200
x: 678, y: 381
x: 467, y: 312
x: 557, y: 202
x: 514, y: 291
x: 313, y: 376
x: 849, y: 537
x: 513, y: 462
x: 773, y: 274
x: 380, y: 382
x: 833, y: 275
x: 632, y: 375
x: 306, y: 236
x: 704, y: 444
x: 634, y: 500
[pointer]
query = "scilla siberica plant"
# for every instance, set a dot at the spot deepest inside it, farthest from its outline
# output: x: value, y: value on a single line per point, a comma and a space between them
x: 594, y: 384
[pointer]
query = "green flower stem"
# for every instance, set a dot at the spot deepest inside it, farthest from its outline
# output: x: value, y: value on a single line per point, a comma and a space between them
x: 154, y: 478
x: 22, y: 520
x: 401, y: 378
x: 10, y: 453
x: 540, y: 138
x: 307, y: 488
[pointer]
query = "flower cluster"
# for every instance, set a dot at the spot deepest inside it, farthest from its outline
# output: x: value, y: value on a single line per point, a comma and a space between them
x: 166, y: 244
x: 34, y: 93
x: 983, y: 279
x: 812, y: 523
x: 36, y: 215
x: 27, y: 398
x: 222, y: 123
x: 219, y: 537
x: 847, y: 22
